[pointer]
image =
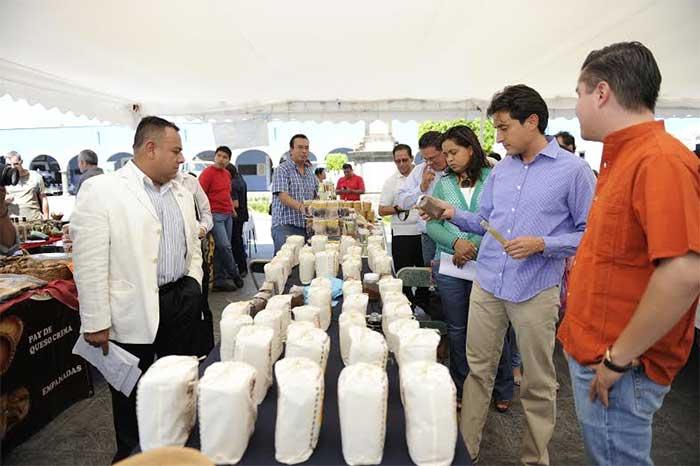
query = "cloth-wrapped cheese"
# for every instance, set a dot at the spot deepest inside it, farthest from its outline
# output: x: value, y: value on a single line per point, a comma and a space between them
x: 390, y: 284
x: 430, y: 405
x: 351, y: 287
x: 237, y: 308
x: 352, y: 268
x: 300, y: 391
x: 325, y: 264
x: 354, y: 251
x: 356, y: 303
x: 229, y: 327
x: 318, y: 243
x: 395, y: 328
x: 417, y: 345
x: 367, y: 346
x: 393, y: 297
x: 320, y: 297
x: 372, y: 253
x: 291, y: 251
x: 227, y: 411
x: 345, y: 321
x: 308, y: 342
x: 375, y: 241
x: 321, y: 281
x: 307, y: 267
x: 307, y: 313
x: 272, y: 318
x: 254, y: 346
x: 282, y: 302
x: 382, y: 264
x: 346, y: 242
x: 166, y: 402
x: 394, y: 312
x: 362, y: 404
x: 274, y: 272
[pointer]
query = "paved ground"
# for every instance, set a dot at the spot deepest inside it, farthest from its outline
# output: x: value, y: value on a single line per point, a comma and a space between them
x: 83, y: 434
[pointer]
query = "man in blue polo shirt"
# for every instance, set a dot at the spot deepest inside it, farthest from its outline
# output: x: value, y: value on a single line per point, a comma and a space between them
x: 292, y: 183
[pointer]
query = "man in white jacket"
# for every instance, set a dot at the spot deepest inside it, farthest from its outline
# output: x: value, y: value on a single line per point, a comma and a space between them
x: 138, y: 262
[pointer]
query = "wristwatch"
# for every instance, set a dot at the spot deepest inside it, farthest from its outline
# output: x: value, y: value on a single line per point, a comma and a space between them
x: 607, y: 361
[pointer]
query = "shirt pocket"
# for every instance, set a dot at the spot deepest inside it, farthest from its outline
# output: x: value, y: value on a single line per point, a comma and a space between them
x: 605, y: 227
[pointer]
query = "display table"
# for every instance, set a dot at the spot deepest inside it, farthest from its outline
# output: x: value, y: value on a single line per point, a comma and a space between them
x: 261, y: 448
x: 40, y: 375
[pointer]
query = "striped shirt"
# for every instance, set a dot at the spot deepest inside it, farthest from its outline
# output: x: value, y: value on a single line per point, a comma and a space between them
x: 549, y: 197
x: 172, y: 252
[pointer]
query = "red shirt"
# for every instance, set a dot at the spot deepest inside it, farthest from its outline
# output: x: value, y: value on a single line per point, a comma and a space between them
x: 216, y: 183
x: 646, y: 208
x: 354, y: 182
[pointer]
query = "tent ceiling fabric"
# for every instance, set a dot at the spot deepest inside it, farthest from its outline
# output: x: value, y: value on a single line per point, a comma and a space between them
x: 334, y: 60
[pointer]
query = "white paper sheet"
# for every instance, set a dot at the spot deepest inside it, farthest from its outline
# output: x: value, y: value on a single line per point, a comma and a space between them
x: 119, y: 368
x: 467, y: 272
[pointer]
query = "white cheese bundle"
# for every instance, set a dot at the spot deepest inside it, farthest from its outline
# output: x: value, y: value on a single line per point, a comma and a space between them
x: 390, y: 284
x: 345, y: 322
x: 300, y: 392
x: 166, y: 402
x: 367, y: 346
x: 308, y: 342
x: 320, y: 296
x: 362, y: 403
x: 418, y: 345
x: 254, y: 346
x: 372, y: 253
x: 321, y: 281
x: 393, y: 298
x: 382, y: 264
x: 354, y: 251
x: 282, y: 302
x: 326, y: 264
x: 296, y: 241
x: 309, y: 313
x: 307, y: 267
x: 395, y: 329
x: 229, y: 327
x: 375, y: 241
x: 346, y: 242
x: 394, y: 312
x: 289, y: 251
x: 356, y: 303
x: 430, y: 405
x: 351, y: 287
x: 275, y: 273
x: 318, y: 243
x: 227, y: 411
x: 272, y: 318
x: 238, y: 308
x: 352, y: 268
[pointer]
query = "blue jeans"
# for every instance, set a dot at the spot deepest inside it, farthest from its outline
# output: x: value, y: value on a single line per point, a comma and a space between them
x: 620, y: 433
x: 224, y: 265
x: 280, y: 233
x: 454, y: 294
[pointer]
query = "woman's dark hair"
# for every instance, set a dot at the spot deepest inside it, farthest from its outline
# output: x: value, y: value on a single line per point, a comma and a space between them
x: 464, y: 136
x: 567, y: 139
x: 319, y: 170
x: 232, y: 170
x: 520, y: 101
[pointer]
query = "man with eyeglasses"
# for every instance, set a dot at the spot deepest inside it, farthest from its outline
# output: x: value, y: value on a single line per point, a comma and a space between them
x: 405, y: 235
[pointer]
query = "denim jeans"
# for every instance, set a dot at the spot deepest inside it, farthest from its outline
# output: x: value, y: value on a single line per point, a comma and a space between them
x: 620, y: 433
x: 280, y: 233
x: 224, y: 265
x: 454, y: 293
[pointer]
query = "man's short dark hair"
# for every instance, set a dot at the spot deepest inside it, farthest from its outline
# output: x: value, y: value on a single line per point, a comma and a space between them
x: 149, y: 125
x: 520, y: 101
x: 347, y: 166
x: 225, y: 150
x: 296, y: 136
x: 431, y: 139
x: 567, y: 138
x: 319, y: 170
x: 631, y: 71
x: 399, y: 147
x: 88, y: 156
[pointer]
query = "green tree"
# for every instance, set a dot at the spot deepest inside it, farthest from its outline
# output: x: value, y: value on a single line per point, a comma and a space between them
x: 487, y: 140
x: 335, y: 161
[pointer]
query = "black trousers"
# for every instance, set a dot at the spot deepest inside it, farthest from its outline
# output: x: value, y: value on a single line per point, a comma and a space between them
x: 407, y: 251
x: 180, y: 309
x: 238, y: 245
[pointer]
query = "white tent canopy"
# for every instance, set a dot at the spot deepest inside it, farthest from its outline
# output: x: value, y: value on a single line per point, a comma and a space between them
x: 326, y: 60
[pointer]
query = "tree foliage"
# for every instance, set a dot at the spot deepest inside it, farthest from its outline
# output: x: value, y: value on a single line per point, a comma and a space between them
x: 335, y: 161
x: 487, y: 140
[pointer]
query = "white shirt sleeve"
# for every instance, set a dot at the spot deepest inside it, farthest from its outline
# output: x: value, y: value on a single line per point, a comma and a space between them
x: 386, y: 199
x: 409, y: 192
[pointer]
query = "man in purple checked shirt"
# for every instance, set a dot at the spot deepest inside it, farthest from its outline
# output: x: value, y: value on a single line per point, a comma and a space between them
x: 538, y: 199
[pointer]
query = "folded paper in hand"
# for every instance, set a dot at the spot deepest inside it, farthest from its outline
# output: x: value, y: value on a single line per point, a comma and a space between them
x: 119, y: 368
x: 466, y: 272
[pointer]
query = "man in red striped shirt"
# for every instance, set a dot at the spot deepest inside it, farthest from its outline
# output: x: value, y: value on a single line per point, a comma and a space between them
x: 216, y: 183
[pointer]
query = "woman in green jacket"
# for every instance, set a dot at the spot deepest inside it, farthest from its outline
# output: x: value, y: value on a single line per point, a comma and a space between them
x: 461, y: 186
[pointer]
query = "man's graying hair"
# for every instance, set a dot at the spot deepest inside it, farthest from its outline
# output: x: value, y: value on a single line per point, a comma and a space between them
x: 88, y: 156
x: 14, y: 153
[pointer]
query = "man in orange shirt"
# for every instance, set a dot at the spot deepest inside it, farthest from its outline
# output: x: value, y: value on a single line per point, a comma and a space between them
x: 350, y: 186
x: 628, y: 329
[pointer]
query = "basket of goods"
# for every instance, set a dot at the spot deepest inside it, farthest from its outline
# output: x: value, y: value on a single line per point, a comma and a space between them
x: 48, y: 269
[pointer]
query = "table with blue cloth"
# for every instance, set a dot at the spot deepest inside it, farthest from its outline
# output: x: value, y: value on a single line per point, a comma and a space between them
x: 261, y: 448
